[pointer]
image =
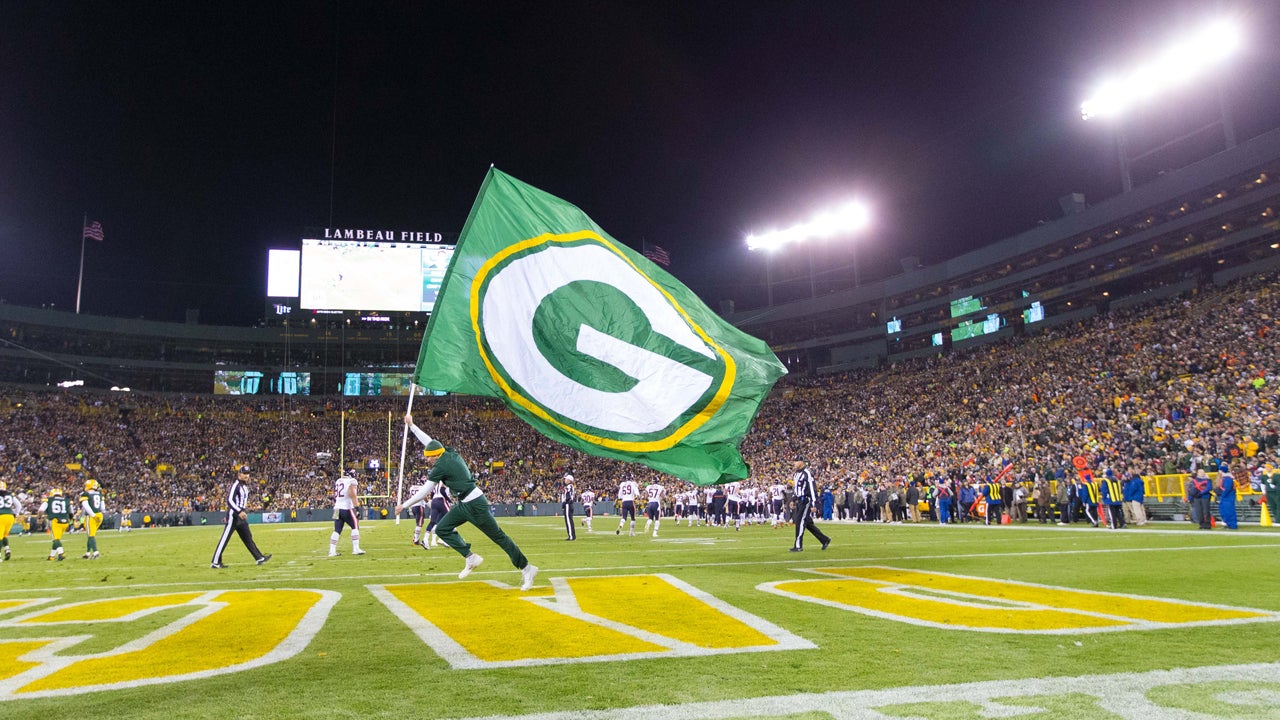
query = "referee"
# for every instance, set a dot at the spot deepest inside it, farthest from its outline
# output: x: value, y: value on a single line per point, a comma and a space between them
x: 806, y: 493
x: 238, y: 520
x: 567, y: 498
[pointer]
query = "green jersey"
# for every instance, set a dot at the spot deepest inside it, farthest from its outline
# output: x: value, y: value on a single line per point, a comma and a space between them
x: 94, y: 500
x: 452, y: 471
x: 9, y: 504
x: 57, y: 508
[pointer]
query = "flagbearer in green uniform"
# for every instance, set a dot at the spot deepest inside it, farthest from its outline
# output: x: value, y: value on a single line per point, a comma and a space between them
x: 91, y: 509
x: 448, y: 467
x: 58, y: 509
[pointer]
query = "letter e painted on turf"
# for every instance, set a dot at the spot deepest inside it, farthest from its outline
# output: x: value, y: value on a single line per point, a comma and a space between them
x: 267, y: 625
x: 1002, y: 606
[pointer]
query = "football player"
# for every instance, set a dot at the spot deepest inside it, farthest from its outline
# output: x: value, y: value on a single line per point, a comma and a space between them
x: 628, y: 491
x: 653, y: 511
x: 346, y: 509
x: 91, y: 509
x: 58, y: 510
x: 10, y: 509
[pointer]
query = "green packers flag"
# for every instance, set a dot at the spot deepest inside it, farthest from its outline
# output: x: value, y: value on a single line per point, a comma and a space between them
x: 589, y: 342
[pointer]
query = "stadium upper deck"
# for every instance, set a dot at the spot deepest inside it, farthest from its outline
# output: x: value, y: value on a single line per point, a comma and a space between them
x: 1212, y: 220
x: 48, y: 346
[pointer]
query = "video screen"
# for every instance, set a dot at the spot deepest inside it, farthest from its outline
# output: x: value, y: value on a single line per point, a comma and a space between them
x: 365, y: 275
x: 382, y: 385
x: 282, y: 273
x: 965, y: 305
x: 972, y: 328
x: 1035, y: 313
x: 254, y: 382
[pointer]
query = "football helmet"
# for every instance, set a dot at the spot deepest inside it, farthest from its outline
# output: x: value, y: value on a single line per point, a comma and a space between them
x: 90, y: 484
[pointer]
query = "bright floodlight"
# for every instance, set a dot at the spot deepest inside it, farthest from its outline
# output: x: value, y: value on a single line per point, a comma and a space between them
x: 844, y: 220
x: 1179, y: 64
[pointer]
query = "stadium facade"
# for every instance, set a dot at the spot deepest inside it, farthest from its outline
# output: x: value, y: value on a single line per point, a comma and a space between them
x: 1211, y: 221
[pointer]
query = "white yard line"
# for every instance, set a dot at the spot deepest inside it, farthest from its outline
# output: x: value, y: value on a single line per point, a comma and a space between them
x: 1124, y: 694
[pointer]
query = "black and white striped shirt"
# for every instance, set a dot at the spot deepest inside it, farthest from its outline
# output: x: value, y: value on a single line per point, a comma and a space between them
x: 806, y: 488
x: 237, y: 497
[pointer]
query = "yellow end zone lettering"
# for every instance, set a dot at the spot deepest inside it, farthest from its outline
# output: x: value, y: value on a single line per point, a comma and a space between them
x: 1004, y: 606
x: 270, y: 626
x: 488, y: 624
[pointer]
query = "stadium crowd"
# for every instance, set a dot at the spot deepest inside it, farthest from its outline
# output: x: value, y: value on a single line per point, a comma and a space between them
x: 1164, y: 388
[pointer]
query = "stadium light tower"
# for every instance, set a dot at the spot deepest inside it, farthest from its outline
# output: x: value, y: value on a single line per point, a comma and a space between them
x: 847, y: 219
x: 1181, y: 63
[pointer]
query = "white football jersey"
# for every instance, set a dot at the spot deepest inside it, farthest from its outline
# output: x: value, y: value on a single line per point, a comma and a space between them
x: 734, y: 491
x: 778, y: 491
x: 628, y: 491
x: 340, y: 499
x: 654, y: 492
x: 414, y: 490
x: 587, y: 497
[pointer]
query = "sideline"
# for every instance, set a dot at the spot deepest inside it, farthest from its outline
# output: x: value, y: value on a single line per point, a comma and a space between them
x: 814, y: 559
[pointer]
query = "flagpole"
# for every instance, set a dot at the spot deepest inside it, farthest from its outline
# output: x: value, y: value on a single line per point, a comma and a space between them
x: 80, y: 283
x: 404, y: 443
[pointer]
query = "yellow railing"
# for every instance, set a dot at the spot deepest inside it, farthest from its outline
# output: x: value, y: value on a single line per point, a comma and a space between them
x: 1172, y: 487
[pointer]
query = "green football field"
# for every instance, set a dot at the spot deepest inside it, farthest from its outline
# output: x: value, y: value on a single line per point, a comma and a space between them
x: 892, y: 621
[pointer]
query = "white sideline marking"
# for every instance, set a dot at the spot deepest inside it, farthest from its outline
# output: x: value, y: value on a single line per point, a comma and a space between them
x: 808, y: 558
x: 1124, y: 694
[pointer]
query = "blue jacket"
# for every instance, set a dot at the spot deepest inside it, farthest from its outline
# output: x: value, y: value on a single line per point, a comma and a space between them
x: 1135, y: 490
x: 1228, y: 491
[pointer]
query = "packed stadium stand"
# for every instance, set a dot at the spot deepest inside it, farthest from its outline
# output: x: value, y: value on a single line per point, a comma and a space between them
x: 1135, y: 333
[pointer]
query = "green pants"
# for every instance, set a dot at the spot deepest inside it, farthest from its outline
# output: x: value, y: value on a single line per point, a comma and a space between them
x: 477, y: 513
x: 1273, y: 500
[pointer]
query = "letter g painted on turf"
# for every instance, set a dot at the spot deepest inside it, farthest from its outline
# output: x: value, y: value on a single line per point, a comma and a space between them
x: 665, y: 388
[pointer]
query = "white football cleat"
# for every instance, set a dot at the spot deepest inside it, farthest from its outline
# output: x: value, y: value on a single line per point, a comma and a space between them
x: 473, y: 562
x: 357, y: 552
x: 527, y: 575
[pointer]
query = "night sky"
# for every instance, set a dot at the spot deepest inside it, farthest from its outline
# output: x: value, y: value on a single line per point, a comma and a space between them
x: 202, y: 134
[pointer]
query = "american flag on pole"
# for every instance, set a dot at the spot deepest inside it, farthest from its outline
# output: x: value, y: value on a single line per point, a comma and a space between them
x: 656, y: 254
x: 93, y: 231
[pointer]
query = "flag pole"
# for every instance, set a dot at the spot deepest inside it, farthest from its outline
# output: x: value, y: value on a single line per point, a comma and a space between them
x: 404, y: 443
x: 80, y: 283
